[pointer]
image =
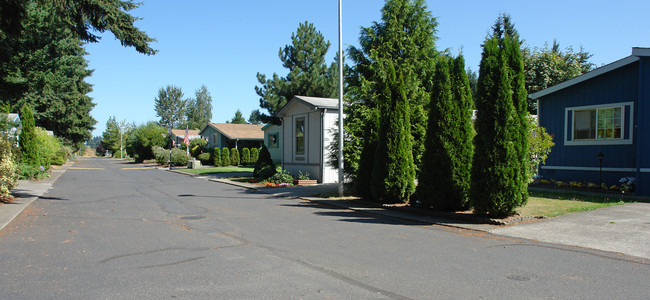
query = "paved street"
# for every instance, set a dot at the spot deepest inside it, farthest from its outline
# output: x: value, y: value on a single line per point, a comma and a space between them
x: 114, y: 230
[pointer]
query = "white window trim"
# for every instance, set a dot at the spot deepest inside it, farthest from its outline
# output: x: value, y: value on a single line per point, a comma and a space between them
x: 620, y: 141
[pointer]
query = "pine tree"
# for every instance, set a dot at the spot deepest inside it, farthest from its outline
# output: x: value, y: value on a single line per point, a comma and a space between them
x: 234, y: 157
x: 217, y: 157
x: 444, y: 179
x: 499, y: 168
x: 393, y: 172
x: 238, y: 118
x: 225, y: 157
x: 27, y: 138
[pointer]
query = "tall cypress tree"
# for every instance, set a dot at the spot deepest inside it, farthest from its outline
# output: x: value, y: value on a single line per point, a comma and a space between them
x: 444, y: 179
x: 499, y: 182
x: 27, y: 139
x: 393, y: 172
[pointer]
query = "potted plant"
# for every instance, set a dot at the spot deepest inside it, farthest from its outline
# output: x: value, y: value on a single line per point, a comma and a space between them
x: 303, y: 179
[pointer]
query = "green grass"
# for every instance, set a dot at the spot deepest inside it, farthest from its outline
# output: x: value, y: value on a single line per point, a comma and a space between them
x: 552, y: 204
x: 220, y: 170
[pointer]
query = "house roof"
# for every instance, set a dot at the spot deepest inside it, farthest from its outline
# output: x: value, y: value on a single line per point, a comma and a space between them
x: 636, y: 53
x: 238, y: 131
x: 313, y: 103
x: 181, y: 132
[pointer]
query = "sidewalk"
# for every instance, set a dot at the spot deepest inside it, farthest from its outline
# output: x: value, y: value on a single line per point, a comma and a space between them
x: 26, y: 192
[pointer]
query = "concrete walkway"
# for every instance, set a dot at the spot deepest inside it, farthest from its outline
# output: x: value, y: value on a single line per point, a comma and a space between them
x: 622, y: 229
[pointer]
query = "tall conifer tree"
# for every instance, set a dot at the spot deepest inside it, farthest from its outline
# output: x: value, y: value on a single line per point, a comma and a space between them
x: 499, y: 169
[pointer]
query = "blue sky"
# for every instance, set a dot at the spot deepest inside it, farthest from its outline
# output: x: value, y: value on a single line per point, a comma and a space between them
x: 223, y: 44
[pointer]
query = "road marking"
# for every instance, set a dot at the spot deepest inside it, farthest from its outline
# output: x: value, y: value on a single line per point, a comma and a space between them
x: 137, y: 168
x: 80, y: 168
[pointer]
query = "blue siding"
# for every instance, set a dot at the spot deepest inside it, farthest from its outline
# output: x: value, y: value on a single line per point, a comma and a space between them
x: 616, y: 86
x: 642, y: 134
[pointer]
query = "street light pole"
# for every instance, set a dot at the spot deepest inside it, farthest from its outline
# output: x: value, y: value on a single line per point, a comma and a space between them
x: 341, y: 176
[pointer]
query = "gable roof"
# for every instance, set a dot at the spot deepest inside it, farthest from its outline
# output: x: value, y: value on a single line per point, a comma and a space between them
x: 313, y: 103
x: 181, y: 132
x: 636, y: 53
x: 238, y: 131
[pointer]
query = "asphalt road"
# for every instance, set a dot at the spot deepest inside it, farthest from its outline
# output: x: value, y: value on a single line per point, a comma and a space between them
x: 112, y: 230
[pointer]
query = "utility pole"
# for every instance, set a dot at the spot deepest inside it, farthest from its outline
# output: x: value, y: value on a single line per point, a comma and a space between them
x: 341, y: 175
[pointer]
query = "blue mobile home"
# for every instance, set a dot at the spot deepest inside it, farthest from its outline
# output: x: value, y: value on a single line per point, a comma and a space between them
x: 600, y: 123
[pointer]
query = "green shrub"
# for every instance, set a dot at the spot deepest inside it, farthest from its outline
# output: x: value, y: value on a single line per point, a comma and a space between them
x: 217, y: 156
x: 27, y: 171
x: 264, y: 167
x: 225, y: 157
x: 8, y: 169
x: 204, y: 158
x: 179, y: 157
x: 234, y: 157
x: 281, y: 177
x: 197, y: 146
x: 161, y: 155
x: 245, y: 156
x: 28, y: 142
x: 255, y: 154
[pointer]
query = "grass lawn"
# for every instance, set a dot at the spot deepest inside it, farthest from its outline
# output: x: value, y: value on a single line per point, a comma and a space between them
x: 215, y: 170
x: 552, y: 204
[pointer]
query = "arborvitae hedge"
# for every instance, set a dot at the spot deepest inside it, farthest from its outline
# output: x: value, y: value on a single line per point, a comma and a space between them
x: 216, y: 156
x: 245, y: 156
x: 234, y: 157
x: 393, y: 175
x: 264, y: 167
x: 225, y: 157
x: 255, y: 154
x: 499, y: 170
x: 27, y: 138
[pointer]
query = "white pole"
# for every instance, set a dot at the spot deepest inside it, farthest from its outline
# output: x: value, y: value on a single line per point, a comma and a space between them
x: 341, y: 177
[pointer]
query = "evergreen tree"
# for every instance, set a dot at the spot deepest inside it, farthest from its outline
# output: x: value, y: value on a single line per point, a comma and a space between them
x: 499, y: 168
x: 143, y: 138
x: 393, y: 172
x: 406, y: 36
x: 264, y: 166
x: 170, y: 106
x: 111, y: 135
x: 308, y: 75
x: 238, y: 118
x: 27, y: 138
x: 225, y: 157
x: 255, y: 154
x: 217, y: 156
x: 444, y: 179
x: 234, y: 156
x: 245, y: 156
x: 199, y: 109
x: 255, y: 117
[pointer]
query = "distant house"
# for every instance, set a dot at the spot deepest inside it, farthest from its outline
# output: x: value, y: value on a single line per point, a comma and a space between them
x: 178, y: 135
x: 600, y: 117
x: 233, y: 135
x: 13, y: 130
x: 272, y: 140
x: 307, y: 131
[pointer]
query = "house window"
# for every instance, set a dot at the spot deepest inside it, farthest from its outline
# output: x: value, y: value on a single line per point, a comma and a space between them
x: 598, y: 123
x: 273, y: 140
x: 300, y: 136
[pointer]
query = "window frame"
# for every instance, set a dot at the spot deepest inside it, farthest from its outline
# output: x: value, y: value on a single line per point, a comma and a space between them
x: 277, y: 141
x: 296, y: 137
x: 570, y: 127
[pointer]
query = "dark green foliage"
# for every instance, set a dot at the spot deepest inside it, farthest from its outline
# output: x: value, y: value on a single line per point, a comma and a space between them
x: 225, y: 157
x: 99, y: 150
x: 255, y: 154
x: 245, y: 156
x: 255, y: 117
x: 393, y: 171
x: 170, y: 106
x: 308, y: 75
x: 217, y: 157
x: 500, y: 165
x: 111, y: 135
x: 179, y: 157
x: 234, y: 157
x: 406, y: 36
x: 143, y: 138
x: 444, y: 180
x: 204, y: 158
x: 197, y: 146
x: 27, y: 138
x: 199, y: 109
x: 238, y: 118
x: 281, y: 177
x: 264, y: 167
x: 366, y: 156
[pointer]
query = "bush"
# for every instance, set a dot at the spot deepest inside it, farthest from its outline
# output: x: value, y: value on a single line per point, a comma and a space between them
x: 161, y: 155
x: 281, y: 177
x: 255, y: 154
x: 245, y: 156
x: 234, y: 157
x: 27, y: 171
x: 8, y: 169
x: 225, y: 157
x: 100, y: 151
x: 217, y: 156
x: 179, y: 157
x: 144, y: 138
x: 264, y: 167
x: 197, y: 146
x: 204, y: 158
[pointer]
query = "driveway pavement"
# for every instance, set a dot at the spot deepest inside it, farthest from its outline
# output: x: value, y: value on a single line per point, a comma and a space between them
x: 622, y: 229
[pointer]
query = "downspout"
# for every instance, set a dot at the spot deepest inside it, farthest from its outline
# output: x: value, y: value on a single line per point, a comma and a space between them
x: 322, y: 145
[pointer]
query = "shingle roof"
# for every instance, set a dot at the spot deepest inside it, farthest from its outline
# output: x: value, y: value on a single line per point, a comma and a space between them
x: 181, y: 132
x: 313, y: 103
x: 239, y: 131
